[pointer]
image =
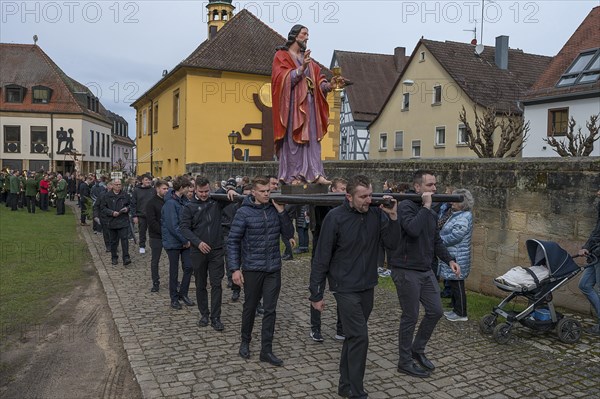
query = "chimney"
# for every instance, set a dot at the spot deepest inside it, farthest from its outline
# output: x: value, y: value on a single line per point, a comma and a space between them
x: 399, y: 58
x: 502, y: 52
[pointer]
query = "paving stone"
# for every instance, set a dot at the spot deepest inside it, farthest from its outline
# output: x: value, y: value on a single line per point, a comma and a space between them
x: 173, y: 358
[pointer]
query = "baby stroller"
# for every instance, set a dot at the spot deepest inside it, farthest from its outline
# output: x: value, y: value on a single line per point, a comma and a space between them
x: 540, y: 314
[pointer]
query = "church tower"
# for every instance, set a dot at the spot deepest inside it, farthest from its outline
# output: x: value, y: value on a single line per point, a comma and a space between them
x: 219, y: 12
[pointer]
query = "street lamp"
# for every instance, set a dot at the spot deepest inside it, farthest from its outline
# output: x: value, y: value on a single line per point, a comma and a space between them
x: 233, y: 139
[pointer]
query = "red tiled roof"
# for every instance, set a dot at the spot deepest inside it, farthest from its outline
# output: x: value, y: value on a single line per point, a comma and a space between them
x: 482, y: 80
x: 373, y: 77
x: 244, y: 44
x: 586, y: 37
x: 28, y: 65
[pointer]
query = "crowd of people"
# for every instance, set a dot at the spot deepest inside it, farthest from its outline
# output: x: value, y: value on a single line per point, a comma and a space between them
x: 239, y: 238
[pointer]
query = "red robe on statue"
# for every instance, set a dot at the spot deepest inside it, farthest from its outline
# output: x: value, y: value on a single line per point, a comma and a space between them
x: 281, y: 88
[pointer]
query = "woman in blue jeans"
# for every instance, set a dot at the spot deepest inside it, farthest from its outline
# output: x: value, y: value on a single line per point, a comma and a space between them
x: 591, y: 275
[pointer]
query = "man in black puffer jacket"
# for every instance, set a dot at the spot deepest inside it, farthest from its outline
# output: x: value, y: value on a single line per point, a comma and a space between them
x: 201, y: 226
x: 115, y: 206
x: 254, y: 258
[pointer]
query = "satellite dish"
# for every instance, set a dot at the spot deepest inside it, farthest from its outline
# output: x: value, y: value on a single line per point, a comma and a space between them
x: 479, y: 49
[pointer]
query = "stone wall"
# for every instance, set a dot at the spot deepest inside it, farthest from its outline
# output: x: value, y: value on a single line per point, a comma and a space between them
x: 515, y: 200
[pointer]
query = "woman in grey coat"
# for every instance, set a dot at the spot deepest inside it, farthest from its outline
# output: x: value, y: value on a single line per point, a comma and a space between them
x: 456, y: 235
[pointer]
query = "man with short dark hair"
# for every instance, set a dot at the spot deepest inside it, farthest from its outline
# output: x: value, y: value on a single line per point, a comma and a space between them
x: 115, y: 206
x: 85, y: 198
x: 153, y: 216
x: 254, y: 259
x: 139, y: 199
x: 201, y: 226
x: 351, y: 238
x: 31, y: 190
x: 413, y: 275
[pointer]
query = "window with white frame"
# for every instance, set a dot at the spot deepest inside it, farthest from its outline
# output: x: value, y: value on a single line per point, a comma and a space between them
x: 422, y: 56
x: 440, y: 136
x: 382, y: 141
x: 399, y: 140
x: 405, y: 101
x: 416, y: 148
x: 584, y: 69
x: 462, y: 137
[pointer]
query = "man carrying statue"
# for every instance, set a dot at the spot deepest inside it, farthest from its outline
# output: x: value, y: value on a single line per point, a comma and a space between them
x: 300, y: 110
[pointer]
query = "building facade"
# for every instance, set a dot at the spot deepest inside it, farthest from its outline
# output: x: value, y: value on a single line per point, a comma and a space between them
x: 47, y: 119
x: 224, y: 86
x: 568, y: 89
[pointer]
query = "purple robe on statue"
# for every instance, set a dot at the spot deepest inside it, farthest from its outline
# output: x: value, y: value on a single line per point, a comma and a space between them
x: 301, y: 161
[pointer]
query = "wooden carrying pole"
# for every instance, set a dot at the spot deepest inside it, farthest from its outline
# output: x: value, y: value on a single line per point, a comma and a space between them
x: 334, y: 199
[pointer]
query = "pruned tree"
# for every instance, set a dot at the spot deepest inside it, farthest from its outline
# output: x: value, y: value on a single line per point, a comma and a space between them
x: 513, y: 133
x: 576, y: 144
x: 119, y: 165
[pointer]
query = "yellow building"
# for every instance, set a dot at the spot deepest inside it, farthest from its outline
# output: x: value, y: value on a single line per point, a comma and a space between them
x: 223, y: 86
x: 420, y: 118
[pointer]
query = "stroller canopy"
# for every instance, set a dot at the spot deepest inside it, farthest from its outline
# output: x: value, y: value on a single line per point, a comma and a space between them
x: 549, y: 253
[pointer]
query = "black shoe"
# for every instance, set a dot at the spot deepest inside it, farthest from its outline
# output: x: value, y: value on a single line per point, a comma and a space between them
x: 413, y: 370
x: 271, y: 358
x: 203, y: 322
x: 287, y: 257
x: 217, y: 325
x: 115, y: 261
x: 176, y: 305
x: 155, y: 288
x: 245, y: 350
x: 422, y: 359
x: 186, y: 300
x: 235, y: 296
x: 345, y: 392
x: 316, y: 336
x: 126, y: 261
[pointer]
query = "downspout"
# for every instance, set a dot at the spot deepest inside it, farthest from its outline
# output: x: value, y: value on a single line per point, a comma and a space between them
x: 51, y: 141
x: 151, y: 133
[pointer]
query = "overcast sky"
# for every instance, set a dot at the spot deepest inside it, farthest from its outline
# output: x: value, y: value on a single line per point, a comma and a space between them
x: 120, y: 48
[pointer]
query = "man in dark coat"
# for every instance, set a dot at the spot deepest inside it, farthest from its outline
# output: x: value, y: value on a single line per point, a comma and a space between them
x: 31, y: 190
x: 201, y: 226
x: 85, y: 197
x: 139, y: 199
x: 351, y: 238
x: 254, y: 259
x: 153, y: 215
x: 115, y: 205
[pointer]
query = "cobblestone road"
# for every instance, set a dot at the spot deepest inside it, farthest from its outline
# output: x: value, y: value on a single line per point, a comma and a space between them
x: 171, y: 357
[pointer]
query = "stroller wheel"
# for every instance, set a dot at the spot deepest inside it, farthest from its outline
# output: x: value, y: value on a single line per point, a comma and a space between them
x: 502, y: 333
x: 568, y: 330
x: 487, y: 323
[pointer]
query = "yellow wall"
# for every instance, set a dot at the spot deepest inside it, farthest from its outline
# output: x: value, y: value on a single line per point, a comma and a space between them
x: 212, y: 104
x: 422, y: 118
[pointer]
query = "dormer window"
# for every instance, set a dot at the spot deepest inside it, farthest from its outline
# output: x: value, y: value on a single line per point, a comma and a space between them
x: 41, y: 94
x: 14, y: 93
x: 585, y: 69
x: 92, y: 103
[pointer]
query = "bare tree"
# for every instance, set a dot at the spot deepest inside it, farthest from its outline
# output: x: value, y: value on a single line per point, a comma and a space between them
x: 119, y: 165
x: 513, y: 133
x: 576, y: 144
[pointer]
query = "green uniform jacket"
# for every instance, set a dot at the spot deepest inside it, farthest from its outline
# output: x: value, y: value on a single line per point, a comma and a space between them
x: 15, y: 184
x: 61, y: 189
x: 31, y: 187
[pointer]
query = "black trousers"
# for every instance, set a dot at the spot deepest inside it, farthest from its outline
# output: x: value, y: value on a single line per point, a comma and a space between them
x: 267, y: 286
x: 60, y: 206
x: 105, y: 233
x: 414, y: 288
x: 458, y: 297
x: 43, y: 202
x: 156, y: 249
x: 355, y: 309
x: 186, y: 264
x: 315, y: 321
x: 12, y: 201
x: 143, y: 229
x: 208, y: 267
x: 30, y: 199
x: 115, y: 236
